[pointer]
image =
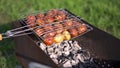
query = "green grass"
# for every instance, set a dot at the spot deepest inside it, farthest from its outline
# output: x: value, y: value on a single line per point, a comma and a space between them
x: 104, y: 14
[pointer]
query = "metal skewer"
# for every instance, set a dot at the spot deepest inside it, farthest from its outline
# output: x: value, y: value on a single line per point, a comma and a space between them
x: 19, y: 32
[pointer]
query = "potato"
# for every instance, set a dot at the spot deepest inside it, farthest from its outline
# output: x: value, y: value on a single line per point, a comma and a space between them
x: 67, y: 35
x: 58, y: 38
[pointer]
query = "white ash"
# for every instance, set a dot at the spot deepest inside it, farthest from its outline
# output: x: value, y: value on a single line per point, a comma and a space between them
x: 67, y: 53
x: 67, y: 64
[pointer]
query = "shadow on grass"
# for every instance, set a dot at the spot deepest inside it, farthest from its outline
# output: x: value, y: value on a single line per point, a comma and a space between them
x: 7, y: 47
x: 6, y: 44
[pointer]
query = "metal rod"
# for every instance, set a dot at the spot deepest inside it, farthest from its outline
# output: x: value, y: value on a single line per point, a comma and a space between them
x: 33, y: 27
x: 19, y: 28
x: 17, y: 35
x: 22, y: 34
x: 22, y: 31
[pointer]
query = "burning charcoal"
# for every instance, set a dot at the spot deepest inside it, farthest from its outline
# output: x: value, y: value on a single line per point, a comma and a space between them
x: 68, y: 54
x: 58, y: 52
x: 73, y: 51
x: 75, y: 57
x: 80, y: 65
x: 66, y: 48
x: 83, y: 56
x: 71, y: 43
x: 67, y: 64
x: 62, y: 58
x: 53, y: 56
x: 55, y: 60
x: 50, y: 50
x: 66, y: 42
x: 76, y: 45
x: 73, y: 62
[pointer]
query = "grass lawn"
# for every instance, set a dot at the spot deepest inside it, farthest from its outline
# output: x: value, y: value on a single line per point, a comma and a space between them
x: 104, y: 14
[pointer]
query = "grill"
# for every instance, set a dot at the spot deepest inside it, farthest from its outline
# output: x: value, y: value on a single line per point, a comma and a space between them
x: 69, y: 16
x: 92, y: 49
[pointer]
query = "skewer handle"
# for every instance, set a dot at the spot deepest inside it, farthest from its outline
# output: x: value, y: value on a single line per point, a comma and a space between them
x: 1, y: 37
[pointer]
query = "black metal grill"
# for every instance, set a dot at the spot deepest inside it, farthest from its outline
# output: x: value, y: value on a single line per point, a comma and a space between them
x: 101, y: 46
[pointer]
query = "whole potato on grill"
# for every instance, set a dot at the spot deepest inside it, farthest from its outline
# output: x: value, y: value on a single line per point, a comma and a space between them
x: 58, y: 38
x: 67, y: 35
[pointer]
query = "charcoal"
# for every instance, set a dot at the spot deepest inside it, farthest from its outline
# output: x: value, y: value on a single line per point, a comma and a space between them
x: 67, y: 64
x: 69, y: 54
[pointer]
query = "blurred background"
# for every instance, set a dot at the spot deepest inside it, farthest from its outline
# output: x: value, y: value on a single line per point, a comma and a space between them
x: 104, y: 14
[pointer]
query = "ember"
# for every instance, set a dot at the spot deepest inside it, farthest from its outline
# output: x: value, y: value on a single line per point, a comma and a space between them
x: 67, y: 54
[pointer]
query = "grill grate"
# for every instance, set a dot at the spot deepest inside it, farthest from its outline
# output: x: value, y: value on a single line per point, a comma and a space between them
x: 69, y: 16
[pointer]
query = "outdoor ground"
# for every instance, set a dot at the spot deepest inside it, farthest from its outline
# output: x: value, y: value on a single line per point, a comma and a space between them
x: 104, y: 14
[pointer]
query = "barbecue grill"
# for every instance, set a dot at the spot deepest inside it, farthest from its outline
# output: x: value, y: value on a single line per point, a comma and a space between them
x: 96, y: 49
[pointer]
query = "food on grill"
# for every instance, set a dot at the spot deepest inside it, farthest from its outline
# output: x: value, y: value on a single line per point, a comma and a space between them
x: 77, y: 23
x: 59, y: 28
x: 50, y: 15
x: 40, y: 22
x: 58, y: 38
x: 68, y: 23
x: 52, y: 33
x: 57, y: 24
x: 48, y: 40
x: 52, y: 12
x: 48, y: 28
x: 55, y: 15
x: 60, y: 16
x: 67, y: 35
x: 82, y: 28
x: 0, y: 36
x: 39, y: 31
x: 31, y: 23
x: 73, y: 32
x: 40, y: 15
x: 49, y: 19
x: 30, y: 18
